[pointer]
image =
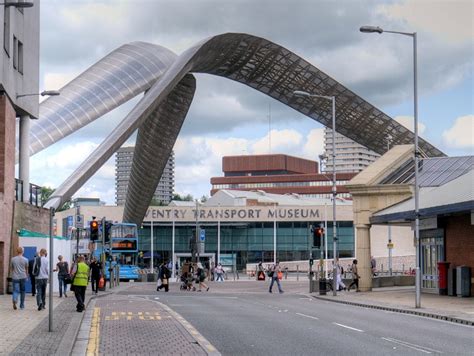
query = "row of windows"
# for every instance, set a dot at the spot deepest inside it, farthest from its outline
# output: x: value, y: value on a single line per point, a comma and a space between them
x: 278, y: 184
x: 250, y: 242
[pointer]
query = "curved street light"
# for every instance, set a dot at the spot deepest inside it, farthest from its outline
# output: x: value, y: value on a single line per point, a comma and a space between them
x: 301, y: 93
x: 374, y: 29
x: 20, y: 5
x: 43, y: 93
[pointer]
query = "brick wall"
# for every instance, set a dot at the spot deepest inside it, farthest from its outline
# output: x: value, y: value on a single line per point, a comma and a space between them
x: 460, y: 243
x: 7, y: 184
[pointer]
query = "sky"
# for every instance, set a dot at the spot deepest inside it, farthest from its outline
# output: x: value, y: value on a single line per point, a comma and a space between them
x: 228, y: 118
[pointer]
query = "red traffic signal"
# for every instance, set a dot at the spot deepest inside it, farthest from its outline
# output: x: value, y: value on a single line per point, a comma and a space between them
x: 94, y: 227
x: 318, y: 233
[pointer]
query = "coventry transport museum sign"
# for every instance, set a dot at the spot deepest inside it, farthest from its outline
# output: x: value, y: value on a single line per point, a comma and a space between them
x: 233, y: 214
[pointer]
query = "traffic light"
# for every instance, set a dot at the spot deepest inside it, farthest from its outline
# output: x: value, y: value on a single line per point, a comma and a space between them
x: 318, y: 233
x: 94, y: 227
x: 108, y: 230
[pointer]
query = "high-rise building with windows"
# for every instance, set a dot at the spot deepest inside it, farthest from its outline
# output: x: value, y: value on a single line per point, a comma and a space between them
x: 350, y: 156
x: 123, y: 167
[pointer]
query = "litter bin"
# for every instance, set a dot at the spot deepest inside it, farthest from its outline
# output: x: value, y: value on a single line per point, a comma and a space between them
x: 322, y: 286
x: 443, y: 277
x: 463, y: 281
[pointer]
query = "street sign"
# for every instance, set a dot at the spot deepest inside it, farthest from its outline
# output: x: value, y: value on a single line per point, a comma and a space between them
x: 390, y: 245
x: 202, y: 235
x: 79, y: 221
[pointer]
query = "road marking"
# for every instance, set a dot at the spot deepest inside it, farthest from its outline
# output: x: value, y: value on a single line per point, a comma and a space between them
x: 349, y: 327
x: 93, y: 344
x: 424, y: 349
x: 308, y: 316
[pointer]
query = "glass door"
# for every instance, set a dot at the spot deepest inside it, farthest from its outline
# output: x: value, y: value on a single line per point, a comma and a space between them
x: 432, y: 252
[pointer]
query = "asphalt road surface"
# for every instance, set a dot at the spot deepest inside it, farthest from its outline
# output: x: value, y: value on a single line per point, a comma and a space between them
x: 242, y: 318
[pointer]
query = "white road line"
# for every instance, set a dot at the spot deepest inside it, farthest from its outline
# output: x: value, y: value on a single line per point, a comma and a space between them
x: 424, y: 349
x: 349, y: 327
x: 307, y: 316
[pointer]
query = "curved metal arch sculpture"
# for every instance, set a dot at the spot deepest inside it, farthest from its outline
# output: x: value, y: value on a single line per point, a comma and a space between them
x: 254, y: 61
x: 118, y: 77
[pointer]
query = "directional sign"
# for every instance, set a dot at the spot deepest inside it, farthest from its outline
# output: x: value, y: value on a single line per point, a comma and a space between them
x: 79, y: 221
x: 202, y: 235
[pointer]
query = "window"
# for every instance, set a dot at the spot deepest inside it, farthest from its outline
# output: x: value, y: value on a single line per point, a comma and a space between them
x: 15, y: 52
x: 20, y: 57
x: 6, y: 29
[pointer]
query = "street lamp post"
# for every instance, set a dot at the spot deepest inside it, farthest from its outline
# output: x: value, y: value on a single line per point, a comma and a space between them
x: 20, y: 5
x: 374, y: 29
x: 334, y: 188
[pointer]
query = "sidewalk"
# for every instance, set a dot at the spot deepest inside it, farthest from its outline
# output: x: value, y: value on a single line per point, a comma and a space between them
x: 126, y: 323
x: 26, y: 331
x: 402, y: 299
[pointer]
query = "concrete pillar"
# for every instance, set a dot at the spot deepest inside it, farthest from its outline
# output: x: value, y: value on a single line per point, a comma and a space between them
x: 24, y: 164
x: 363, y: 257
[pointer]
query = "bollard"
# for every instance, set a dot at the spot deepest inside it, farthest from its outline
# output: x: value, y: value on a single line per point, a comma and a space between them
x: 111, y: 278
x: 297, y: 272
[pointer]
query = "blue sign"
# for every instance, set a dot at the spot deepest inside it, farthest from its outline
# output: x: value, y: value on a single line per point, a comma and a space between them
x: 202, y: 235
x: 69, y: 226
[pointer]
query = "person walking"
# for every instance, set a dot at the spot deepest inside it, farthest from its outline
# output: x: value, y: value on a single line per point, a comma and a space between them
x: 41, y: 273
x: 19, y: 268
x: 339, y: 283
x: 355, y: 276
x: 219, y: 273
x: 201, y: 277
x: 273, y: 274
x: 80, y: 278
x: 260, y: 272
x: 96, y: 271
x: 164, y: 275
x: 32, y: 277
x: 62, y: 268
x: 373, y: 265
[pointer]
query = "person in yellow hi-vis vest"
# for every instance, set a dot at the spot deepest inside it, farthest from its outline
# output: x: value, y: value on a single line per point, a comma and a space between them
x: 80, y: 279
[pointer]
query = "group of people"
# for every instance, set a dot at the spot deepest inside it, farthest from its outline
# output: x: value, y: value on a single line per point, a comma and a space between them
x: 37, y: 271
x: 340, y: 272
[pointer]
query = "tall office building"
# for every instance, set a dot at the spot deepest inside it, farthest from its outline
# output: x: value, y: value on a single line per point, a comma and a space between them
x: 123, y: 167
x: 350, y: 156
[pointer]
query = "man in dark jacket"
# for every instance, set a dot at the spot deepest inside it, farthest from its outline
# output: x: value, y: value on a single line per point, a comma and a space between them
x: 96, y: 270
x: 164, y: 276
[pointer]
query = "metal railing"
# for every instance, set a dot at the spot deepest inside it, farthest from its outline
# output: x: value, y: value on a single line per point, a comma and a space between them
x: 34, y: 193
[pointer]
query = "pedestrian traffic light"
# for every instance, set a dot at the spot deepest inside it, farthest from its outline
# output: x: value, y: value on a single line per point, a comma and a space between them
x: 94, y: 227
x: 318, y: 233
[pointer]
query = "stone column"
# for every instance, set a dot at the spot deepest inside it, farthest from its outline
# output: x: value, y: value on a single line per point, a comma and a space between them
x: 363, y: 257
x: 24, y: 163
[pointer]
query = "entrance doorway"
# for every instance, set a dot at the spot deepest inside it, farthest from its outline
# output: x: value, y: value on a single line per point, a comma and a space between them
x: 207, y: 259
x: 432, y: 252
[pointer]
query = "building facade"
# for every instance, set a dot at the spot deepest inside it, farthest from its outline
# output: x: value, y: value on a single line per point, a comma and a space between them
x: 19, y: 74
x: 278, y: 174
x: 350, y: 156
x: 123, y: 166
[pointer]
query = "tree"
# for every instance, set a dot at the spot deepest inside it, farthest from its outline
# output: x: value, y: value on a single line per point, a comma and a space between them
x: 46, y: 192
x: 204, y: 198
x: 178, y: 197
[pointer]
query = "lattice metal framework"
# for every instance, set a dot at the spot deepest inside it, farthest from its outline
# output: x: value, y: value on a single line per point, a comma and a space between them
x: 258, y: 63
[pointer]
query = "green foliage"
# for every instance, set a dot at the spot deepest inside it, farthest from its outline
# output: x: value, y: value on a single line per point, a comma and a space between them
x: 178, y: 197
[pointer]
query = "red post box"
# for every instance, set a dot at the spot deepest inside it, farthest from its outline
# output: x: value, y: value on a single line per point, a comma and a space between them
x: 443, y: 277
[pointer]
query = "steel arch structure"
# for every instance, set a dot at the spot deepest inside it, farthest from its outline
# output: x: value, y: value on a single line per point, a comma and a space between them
x: 254, y: 61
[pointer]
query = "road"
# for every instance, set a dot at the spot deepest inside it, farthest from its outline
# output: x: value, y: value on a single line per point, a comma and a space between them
x: 242, y: 318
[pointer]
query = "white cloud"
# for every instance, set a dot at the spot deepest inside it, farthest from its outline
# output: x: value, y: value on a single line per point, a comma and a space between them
x: 407, y: 121
x: 449, y: 20
x: 279, y: 141
x: 314, y: 144
x: 56, y: 80
x: 461, y: 134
